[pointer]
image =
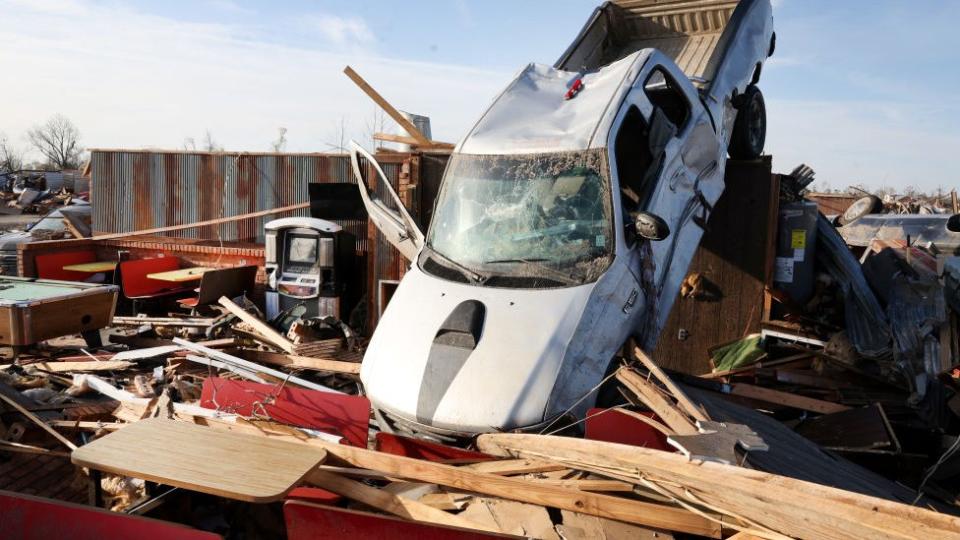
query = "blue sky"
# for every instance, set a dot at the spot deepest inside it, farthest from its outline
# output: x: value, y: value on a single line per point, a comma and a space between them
x: 861, y: 90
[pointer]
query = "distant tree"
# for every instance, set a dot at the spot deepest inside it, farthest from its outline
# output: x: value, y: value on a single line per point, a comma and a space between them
x: 281, y: 142
x: 211, y: 145
x: 11, y: 159
x: 59, y: 141
x: 189, y: 144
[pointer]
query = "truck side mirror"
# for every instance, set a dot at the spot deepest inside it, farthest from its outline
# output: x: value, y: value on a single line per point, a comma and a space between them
x: 650, y: 226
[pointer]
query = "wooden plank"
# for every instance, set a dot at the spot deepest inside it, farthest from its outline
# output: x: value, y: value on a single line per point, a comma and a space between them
x: 507, y: 467
x: 651, y: 396
x: 33, y: 418
x: 303, y: 362
x: 434, y: 145
x: 631, y: 511
x: 261, y: 327
x: 786, y: 399
x: 243, y: 467
x: 789, y: 506
x: 196, y: 224
x: 400, y: 119
x: 682, y: 400
x: 388, y: 502
x: 67, y: 367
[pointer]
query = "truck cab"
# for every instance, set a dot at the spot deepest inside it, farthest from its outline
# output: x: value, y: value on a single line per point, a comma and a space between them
x: 565, y: 223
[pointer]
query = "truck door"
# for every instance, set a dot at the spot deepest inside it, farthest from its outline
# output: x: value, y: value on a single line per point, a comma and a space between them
x: 396, y: 225
x: 667, y: 157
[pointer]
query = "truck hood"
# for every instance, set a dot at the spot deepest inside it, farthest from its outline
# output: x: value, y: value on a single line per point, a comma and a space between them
x: 468, y: 358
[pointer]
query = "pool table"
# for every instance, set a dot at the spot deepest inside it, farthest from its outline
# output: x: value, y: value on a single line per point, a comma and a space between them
x: 32, y: 310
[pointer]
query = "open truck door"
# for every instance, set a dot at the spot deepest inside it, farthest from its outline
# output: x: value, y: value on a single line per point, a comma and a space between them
x: 396, y: 225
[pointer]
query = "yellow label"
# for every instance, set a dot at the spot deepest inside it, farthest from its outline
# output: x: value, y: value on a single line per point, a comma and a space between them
x: 798, y: 239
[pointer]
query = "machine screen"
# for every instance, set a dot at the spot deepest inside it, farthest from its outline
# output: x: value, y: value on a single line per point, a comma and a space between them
x: 303, y: 250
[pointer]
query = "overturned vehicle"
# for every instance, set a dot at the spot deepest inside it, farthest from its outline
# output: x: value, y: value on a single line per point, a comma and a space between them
x: 566, y: 219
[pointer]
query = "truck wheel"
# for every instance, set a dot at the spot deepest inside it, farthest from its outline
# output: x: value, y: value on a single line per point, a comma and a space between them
x: 750, y: 128
x: 871, y: 204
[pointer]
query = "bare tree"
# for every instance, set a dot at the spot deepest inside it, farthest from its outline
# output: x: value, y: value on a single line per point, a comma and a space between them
x: 339, y: 136
x: 189, y: 144
x: 376, y: 123
x: 209, y: 144
x: 59, y: 142
x: 11, y: 159
x: 281, y: 142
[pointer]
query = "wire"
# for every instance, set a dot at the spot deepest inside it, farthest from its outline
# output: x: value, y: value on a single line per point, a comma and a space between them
x: 570, y: 408
x: 946, y: 455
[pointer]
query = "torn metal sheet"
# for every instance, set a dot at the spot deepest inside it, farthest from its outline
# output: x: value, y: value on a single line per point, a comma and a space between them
x: 935, y: 232
x: 867, y: 324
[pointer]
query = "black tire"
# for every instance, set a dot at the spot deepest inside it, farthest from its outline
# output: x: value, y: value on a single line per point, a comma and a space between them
x: 750, y: 128
x: 861, y: 207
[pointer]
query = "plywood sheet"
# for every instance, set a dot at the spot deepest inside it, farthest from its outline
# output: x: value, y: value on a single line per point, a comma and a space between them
x: 245, y: 467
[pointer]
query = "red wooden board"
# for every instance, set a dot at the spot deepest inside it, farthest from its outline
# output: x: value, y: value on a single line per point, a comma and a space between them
x: 339, y: 414
x: 307, y: 521
x: 614, y: 426
x: 31, y: 518
x: 419, y: 449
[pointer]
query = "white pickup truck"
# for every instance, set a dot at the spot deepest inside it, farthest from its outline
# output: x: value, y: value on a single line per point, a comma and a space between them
x: 566, y: 219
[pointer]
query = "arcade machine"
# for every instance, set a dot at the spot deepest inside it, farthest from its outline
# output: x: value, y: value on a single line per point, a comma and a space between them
x: 307, y: 262
x: 311, y: 262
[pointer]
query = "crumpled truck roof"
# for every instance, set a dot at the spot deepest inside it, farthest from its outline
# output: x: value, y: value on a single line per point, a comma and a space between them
x: 532, y: 116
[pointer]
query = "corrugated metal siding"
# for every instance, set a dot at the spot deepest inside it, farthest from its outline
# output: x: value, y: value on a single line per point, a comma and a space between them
x: 135, y: 190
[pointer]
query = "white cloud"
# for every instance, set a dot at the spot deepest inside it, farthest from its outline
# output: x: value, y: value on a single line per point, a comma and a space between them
x: 341, y: 31
x: 133, y: 80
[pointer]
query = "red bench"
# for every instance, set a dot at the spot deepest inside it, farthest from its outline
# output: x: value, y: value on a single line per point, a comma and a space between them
x: 50, y: 265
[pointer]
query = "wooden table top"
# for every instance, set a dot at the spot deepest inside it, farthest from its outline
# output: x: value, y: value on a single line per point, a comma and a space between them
x: 181, y: 275
x: 99, y: 266
x: 249, y: 468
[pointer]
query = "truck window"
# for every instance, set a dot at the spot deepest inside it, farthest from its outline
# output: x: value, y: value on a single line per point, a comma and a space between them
x: 632, y: 150
x: 664, y: 94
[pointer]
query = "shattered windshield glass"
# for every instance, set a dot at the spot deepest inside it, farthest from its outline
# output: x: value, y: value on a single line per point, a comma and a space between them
x: 524, y: 221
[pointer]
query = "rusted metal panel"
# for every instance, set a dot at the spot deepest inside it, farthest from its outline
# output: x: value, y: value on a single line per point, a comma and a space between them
x: 832, y: 204
x: 135, y: 190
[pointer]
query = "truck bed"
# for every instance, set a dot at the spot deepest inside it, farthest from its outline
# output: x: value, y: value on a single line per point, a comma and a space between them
x: 689, y: 31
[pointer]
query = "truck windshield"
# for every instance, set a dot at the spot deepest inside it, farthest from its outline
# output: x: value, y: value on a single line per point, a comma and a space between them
x: 526, y: 221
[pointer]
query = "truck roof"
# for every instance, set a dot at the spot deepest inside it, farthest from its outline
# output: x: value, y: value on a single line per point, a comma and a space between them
x: 532, y: 115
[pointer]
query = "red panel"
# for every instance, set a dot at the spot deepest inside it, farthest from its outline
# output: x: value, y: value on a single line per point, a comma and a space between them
x: 135, y: 283
x: 32, y: 518
x: 430, y: 451
x: 307, y: 521
x: 50, y: 265
x: 341, y: 414
x: 615, y: 426
x: 314, y: 495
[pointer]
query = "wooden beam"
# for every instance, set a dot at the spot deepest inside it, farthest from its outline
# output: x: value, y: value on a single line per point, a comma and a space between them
x: 390, y: 503
x: 406, y: 124
x: 33, y: 418
x: 261, y: 327
x: 631, y: 511
x: 304, y: 362
x: 171, y: 228
x: 786, y: 505
x: 66, y: 367
x: 507, y: 467
x: 682, y: 400
x: 652, y: 397
x: 73, y: 230
x: 434, y: 145
x: 785, y: 398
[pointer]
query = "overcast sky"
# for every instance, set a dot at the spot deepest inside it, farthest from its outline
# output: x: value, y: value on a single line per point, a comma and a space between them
x: 861, y: 90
